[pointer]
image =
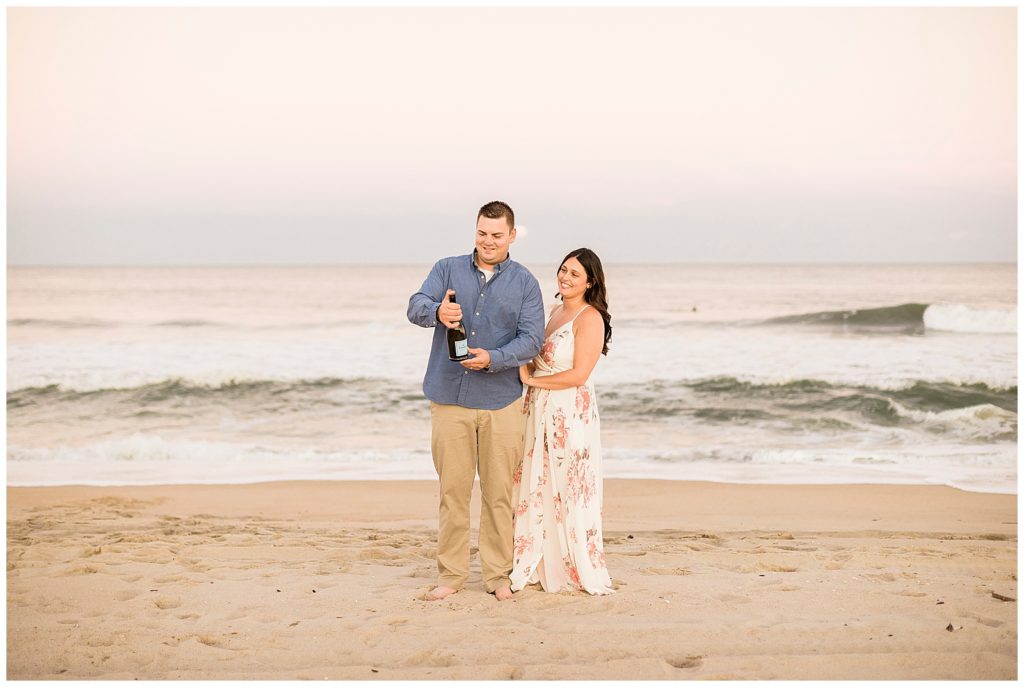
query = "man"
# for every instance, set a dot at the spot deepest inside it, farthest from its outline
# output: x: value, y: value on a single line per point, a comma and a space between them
x: 476, y: 407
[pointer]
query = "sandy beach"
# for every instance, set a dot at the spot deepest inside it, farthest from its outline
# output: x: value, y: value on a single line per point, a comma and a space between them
x: 314, y: 580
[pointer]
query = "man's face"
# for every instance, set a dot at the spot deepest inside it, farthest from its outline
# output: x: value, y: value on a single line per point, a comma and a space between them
x: 493, y: 237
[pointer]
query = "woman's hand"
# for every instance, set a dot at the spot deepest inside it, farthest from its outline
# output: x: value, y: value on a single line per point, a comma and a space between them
x: 525, y: 373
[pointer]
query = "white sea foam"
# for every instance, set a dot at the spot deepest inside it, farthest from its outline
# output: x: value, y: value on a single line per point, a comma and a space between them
x: 147, y: 459
x: 962, y: 318
x: 974, y: 422
x: 985, y: 469
x: 144, y: 459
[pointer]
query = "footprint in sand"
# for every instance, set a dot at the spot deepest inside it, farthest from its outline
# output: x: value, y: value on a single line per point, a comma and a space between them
x: 665, y: 571
x: 372, y: 637
x: 421, y: 572
x: 60, y: 606
x: 988, y: 622
x: 166, y: 602
x: 99, y: 640
x: 267, y: 617
x: 431, y: 657
x: 216, y: 642
x: 772, y: 567
x: 382, y: 556
x: 242, y: 612
x: 685, y: 662
x: 732, y: 599
x: 196, y: 566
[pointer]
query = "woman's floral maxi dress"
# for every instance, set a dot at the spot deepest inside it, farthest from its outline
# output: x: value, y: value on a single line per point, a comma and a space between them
x: 558, y: 485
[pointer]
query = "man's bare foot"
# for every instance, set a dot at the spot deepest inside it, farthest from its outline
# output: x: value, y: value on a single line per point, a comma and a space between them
x: 503, y: 593
x: 438, y: 593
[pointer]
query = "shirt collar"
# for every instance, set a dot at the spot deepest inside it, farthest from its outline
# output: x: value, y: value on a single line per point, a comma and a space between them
x: 504, y: 264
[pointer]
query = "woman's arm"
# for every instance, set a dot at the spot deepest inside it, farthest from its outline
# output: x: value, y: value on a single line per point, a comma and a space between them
x: 589, y: 331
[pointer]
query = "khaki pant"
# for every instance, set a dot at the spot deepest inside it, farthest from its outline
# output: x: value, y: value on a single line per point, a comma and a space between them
x: 463, y: 441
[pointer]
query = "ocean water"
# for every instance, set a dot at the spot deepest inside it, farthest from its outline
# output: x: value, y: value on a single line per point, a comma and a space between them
x: 739, y: 373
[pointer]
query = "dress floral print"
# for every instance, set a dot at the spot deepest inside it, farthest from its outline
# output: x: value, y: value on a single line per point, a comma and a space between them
x: 558, y: 484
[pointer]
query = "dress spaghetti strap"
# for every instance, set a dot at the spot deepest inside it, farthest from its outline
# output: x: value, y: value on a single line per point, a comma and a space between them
x: 578, y: 312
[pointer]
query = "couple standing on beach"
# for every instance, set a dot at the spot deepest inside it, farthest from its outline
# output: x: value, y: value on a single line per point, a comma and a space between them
x: 538, y: 457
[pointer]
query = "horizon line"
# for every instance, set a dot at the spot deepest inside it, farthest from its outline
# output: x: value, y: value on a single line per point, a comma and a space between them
x: 429, y: 262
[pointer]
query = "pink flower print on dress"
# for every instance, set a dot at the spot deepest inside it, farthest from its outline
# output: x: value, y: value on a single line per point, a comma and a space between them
x: 522, y: 543
x: 572, y: 573
x: 559, y: 515
x: 517, y: 476
x: 579, y: 477
x: 545, y: 468
x: 583, y: 403
x: 547, y: 352
x: 588, y: 489
x: 595, y: 553
x: 560, y: 434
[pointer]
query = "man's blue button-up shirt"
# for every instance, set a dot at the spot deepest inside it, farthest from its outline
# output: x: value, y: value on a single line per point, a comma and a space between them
x: 503, y: 315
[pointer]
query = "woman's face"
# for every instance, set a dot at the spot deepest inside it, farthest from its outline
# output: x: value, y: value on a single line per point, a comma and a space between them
x: 572, y: 279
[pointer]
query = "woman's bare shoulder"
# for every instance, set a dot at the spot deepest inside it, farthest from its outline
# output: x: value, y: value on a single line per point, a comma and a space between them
x: 590, y: 317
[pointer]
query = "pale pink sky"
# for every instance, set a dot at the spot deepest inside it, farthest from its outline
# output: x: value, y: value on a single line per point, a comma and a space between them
x: 256, y: 135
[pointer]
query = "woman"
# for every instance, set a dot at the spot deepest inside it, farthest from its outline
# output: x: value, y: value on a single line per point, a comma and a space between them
x: 558, y: 484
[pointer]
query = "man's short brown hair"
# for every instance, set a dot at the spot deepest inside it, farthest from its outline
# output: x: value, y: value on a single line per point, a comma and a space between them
x: 496, y: 209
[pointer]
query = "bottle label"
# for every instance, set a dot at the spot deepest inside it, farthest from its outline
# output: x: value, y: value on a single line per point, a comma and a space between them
x: 461, y: 348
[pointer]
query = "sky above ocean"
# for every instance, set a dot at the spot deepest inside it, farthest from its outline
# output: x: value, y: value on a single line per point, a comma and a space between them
x: 240, y: 135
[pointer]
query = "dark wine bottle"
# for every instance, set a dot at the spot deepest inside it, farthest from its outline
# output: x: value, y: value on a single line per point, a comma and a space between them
x: 458, y: 342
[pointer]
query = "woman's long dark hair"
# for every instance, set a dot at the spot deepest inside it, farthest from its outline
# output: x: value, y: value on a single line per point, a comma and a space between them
x: 596, y: 294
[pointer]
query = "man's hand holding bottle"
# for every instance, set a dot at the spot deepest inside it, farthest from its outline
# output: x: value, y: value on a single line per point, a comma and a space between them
x: 449, y: 314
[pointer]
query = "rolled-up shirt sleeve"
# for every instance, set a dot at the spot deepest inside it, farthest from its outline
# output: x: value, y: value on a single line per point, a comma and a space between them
x: 529, y: 333
x: 424, y: 303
